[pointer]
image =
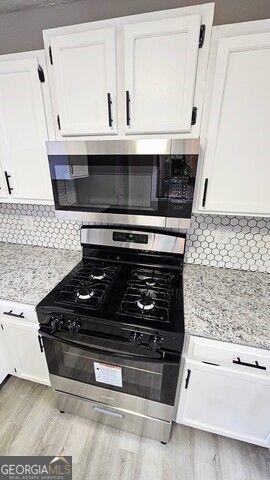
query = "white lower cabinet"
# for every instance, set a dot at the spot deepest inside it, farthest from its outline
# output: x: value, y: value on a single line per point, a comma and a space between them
x: 231, y: 401
x: 6, y: 363
x: 23, y: 353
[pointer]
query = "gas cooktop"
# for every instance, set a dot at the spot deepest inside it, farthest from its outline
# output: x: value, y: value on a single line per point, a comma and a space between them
x: 141, y: 295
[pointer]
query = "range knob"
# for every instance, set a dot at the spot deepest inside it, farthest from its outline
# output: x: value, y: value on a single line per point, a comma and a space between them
x: 155, y: 341
x: 135, y: 338
x: 74, y: 326
x: 56, y: 323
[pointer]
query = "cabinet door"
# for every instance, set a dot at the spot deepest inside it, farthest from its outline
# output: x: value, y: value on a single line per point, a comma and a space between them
x: 23, y: 130
x: 160, y: 70
x: 84, y: 67
x: 8, y: 358
x: 5, y: 364
x: 225, y: 402
x: 237, y: 165
x: 3, y: 190
x: 30, y: 353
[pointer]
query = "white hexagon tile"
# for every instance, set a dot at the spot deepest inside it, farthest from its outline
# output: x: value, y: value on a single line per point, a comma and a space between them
x: 219, y: 241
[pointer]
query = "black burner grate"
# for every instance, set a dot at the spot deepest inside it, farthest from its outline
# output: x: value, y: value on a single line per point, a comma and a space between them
x: 89, y: 286
x: 148, y: 295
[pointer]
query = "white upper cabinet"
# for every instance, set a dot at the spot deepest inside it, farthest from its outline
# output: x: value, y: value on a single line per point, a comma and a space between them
x: 160, y: 71
x: 85, y: 79
x: 140, y: 75
x: 236, y: 171
x: 23, y: 130
x: 3, y: 191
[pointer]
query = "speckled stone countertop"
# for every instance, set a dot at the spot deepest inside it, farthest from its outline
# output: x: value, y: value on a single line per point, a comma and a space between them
x: 28, y: 273
x: 226, y: 304
x: 223, y: 304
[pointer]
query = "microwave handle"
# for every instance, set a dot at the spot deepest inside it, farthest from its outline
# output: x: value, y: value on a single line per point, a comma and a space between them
x: 99, y: 351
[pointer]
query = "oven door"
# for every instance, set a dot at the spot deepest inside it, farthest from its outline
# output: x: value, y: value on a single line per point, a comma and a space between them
x: 115, y: 365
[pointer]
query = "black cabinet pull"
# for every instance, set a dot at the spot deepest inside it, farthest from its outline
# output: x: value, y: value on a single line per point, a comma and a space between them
x: 205, y: 192
x: 40, y: 344
x: 202, y: 36
x: 7, y: 176
x: 21, y: 315
x: 41, y: 75
x: 246, y: 364
x: 109, y: 109
x: 188, y: 378
x: 50, y: 55
x: 194, y: 116
x: 58, y: 122
x: 127, y: 107
x: 211, y: 363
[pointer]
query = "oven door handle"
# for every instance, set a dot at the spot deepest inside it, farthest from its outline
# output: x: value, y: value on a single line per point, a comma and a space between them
x: 99, y: 351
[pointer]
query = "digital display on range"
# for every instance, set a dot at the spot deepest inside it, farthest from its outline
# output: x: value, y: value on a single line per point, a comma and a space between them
x: 130, y: 237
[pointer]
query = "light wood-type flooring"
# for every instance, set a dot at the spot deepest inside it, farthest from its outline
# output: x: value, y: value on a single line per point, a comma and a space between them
x: 31, y: 425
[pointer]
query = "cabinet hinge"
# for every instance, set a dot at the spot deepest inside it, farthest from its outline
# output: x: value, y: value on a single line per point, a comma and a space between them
x: 188, y: 378
x: 50, y: 55
x: 194, y: 116
x: 41, y: 75
x: 205, y: 192
x: 202, y: 36
x: 2, y: 326
x: 58, y: 122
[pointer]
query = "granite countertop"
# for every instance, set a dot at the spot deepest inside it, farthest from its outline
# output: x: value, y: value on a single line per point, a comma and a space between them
x: 28, y: 273
x: 226, y: 304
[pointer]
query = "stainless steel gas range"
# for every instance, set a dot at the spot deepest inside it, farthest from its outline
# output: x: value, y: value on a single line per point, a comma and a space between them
x: 113, y: 329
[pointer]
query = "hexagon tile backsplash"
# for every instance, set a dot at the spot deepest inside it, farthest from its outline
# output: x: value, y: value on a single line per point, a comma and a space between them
x: 218, y: 241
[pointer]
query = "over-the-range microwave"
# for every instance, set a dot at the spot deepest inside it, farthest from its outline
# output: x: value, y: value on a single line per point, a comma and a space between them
x: 147, y: 182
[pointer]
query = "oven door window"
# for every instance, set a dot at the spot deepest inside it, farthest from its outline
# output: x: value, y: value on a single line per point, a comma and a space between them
x: 124, y: 184
x: 151, y: 380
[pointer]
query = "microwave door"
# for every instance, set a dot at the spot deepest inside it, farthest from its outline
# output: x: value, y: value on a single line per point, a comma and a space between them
x: 120, y: 183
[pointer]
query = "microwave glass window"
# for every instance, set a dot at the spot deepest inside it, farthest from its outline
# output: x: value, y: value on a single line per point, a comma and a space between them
x: 161, y: 185
x: 115, y: 183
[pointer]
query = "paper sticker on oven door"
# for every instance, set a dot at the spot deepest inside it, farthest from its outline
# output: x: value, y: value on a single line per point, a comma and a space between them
x: 110, y: 374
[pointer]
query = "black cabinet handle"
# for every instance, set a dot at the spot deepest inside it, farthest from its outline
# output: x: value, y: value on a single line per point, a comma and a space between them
x: 41, y: 75
x: 8, y: 184
x: 21, y: 315
x: 127, y: 107
x: 205, y: 192
x: 109, y: 109
x: 246, y: 364
x: 40, y: 344
x: 188, y: 378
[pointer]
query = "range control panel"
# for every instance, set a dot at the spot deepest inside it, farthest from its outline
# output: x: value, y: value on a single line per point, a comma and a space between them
x: 130, y: 237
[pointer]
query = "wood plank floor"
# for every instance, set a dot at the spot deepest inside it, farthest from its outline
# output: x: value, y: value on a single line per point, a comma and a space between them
x: 31, y: 425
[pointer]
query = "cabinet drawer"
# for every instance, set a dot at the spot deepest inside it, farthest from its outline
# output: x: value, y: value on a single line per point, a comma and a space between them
x: 17, y: 311
x: 231, y: 355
